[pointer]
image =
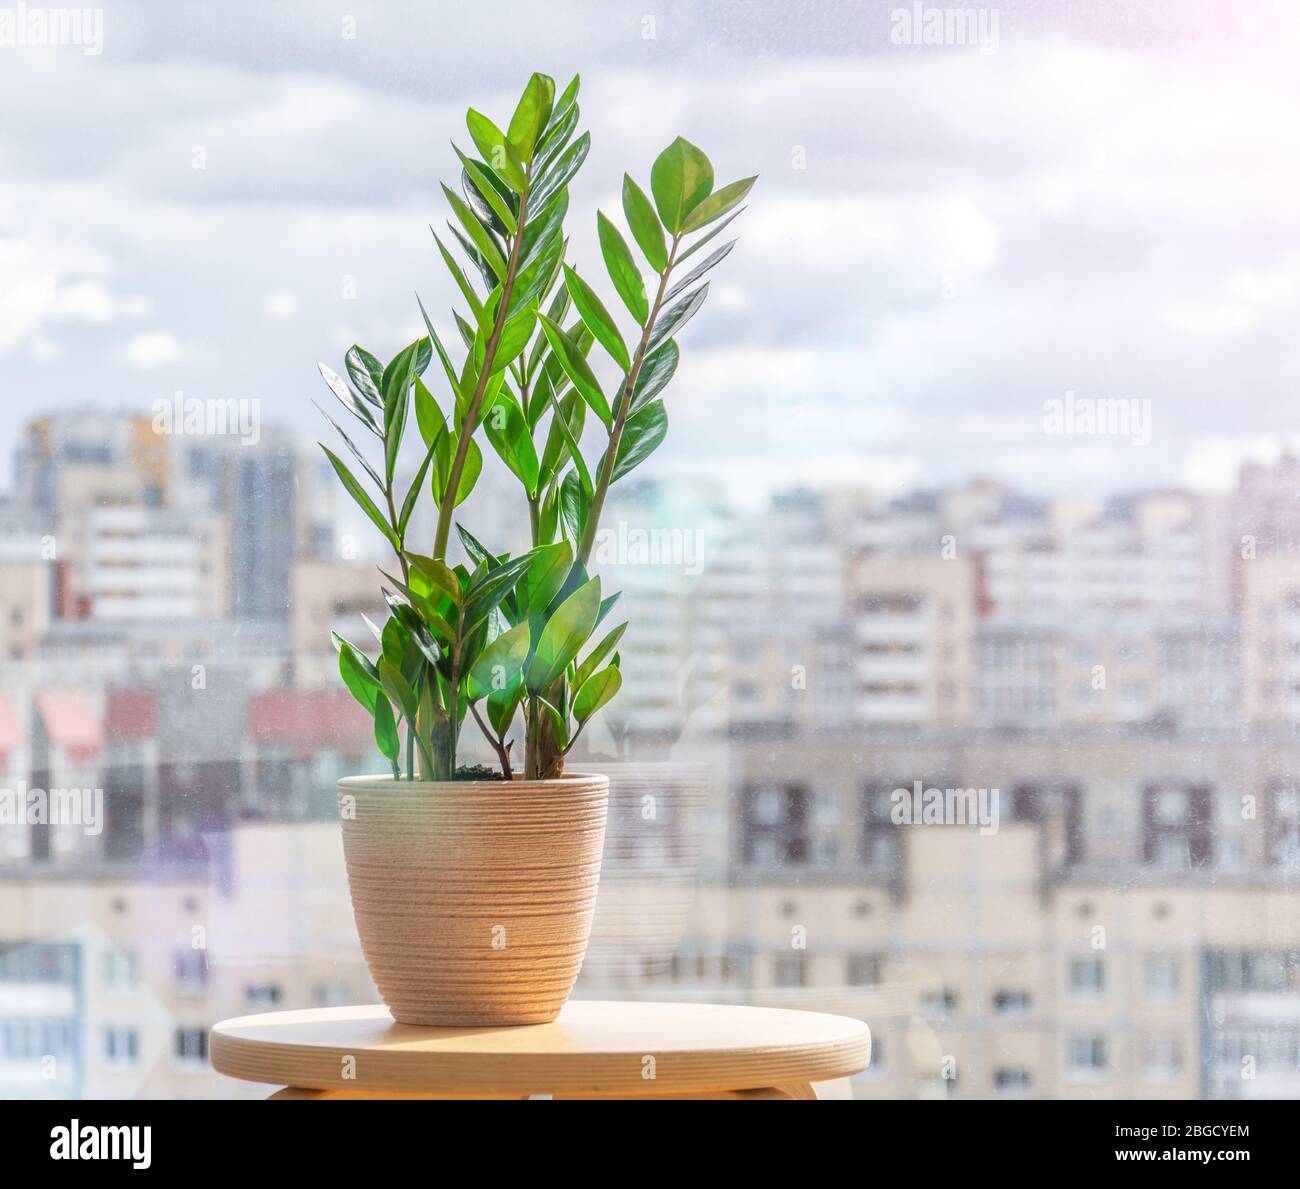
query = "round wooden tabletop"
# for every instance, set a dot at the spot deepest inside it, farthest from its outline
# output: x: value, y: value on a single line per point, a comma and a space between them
x: 643, y: 1049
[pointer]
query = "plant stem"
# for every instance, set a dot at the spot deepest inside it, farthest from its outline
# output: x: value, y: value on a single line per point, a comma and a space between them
x: 448, y: 502
x: 503, y: 752
x: 620, y: 420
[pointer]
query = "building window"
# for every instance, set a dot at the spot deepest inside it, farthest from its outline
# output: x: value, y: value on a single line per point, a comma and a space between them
x: 119, y: 970
x: 1162, y: 1059
x: 1011, y: 1004
x: 863, y: 970
x: 333, y: 995
x: 1012, y: 1081
x: 190, y: 972
x: 789, y: 971
x: 774, y: 824
x: 1177, y: 830
x: 121, y: 1047
x: 1161, y: 978
x: 1086, y: 1057
x: 1087, y: 978
x: 192, y: 1046
x: 262, y: 995
x: 938, y: 1003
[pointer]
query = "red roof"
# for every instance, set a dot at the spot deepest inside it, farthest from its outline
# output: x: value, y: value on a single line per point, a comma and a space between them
x: 311, y: 720
x: 11, y: 731
x: 131, y: 714
x: 70, y: 722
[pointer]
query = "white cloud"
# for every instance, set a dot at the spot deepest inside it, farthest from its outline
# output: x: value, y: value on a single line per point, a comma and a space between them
x: 151, y: 349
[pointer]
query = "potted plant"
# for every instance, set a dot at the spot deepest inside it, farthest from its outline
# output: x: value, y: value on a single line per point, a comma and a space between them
x: 473, y: 890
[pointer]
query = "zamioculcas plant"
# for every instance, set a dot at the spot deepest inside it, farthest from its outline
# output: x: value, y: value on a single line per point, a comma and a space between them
x: 499, y: 637
x: 506, y: 635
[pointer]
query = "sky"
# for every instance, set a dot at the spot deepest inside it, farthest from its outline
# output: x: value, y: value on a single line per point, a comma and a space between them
x: 1098, y: 200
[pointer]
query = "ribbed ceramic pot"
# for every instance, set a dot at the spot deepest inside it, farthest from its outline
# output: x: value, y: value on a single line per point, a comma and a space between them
x: 473, y: 899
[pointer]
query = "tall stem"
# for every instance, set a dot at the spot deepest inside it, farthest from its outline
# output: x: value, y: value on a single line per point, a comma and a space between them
x: 470, y: 421
x: 620, y: 419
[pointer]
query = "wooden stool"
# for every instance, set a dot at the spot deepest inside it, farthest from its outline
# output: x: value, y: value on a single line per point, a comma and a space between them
x: 593, y: 1050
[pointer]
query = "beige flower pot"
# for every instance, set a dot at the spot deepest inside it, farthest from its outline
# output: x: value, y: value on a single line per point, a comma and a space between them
x: 473, y: 899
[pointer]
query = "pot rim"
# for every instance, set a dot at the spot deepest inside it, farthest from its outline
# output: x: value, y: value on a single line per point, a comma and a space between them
x: 381, y: 781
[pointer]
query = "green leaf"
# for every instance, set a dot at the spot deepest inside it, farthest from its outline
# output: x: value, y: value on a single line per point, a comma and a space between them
x: 565, y: 430
x: 657, y: 369
x: 544, y: 577
x: 386, y: 738
x: 366, y: 372
x: 428, y: 611
x: 575, y: 503
x: 555, y: 138
x: 348, y: 399
x: 495, y: 149
x: 571, y: 359
x: 358, y: 493
x: 598, y: 654
x: 399, y: 689
x: 539, y: 233
x: 677, y: 316
x: 444, y: 451
x: 514, y: 339
x: 597, y: 690
x: 478, y: 234
x: 559, y: 175
x: 508, y: 432
x: 413, y: 492
x: 457, y: 275
x: 358, y: 673
x: 622, y: 268
x: 482, y: 184
x: 718, y: 204
x: 642, y: 434
x: 645, y: 225
x: 531, y: 114
x: 700, y: 269
x: 503, y: 703
x: 474, y: 548
x: 487, y: 592
x: 704, y: 239
x: 428, y: 416
x: 352, y: 447
x: 560, y: 727
x: 564, y: 635
x: 498, y: 663
x: 680, y: 179
x: 450, y: 371
x: 593, y: 312
x: 439, y: 574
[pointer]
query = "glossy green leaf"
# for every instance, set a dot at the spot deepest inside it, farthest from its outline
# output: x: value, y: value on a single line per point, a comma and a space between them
x: 556, y: 137
x: 398, y: 688
x: 358, y: 673
x: 598, y: 689
x: 544, y: 577
x: 570, y: 358
x: 494, y: 148
x: 700, y: 269
x: 565, y: 431
x: 558, y: 724
x: 598, y: 654
x: 597, y: 318
x: 458, y: 275
x: 413, y: 492
x: 359, y: 408
x: 657, y: 368
x: 718, y: 204
x: 444, y: 452
x: 704, y: 239
x: 498, y: 664
x: 677, y: 316
x: 358, y: 493
x: 531, y: 114
x: 680, y: 179
x: 575, y: 505
x: 503, y: 703
x: 487, y: 193
x: 386, y: 737
x: 646, y: 228
x: 508, y: 432
x: 621, y: 265
x: 642, y: 434
x: 366, y: 372
x: 352, y: 449
x: 428, y: 416
x: 478, y: 234
x: 566, y: 631
x: 559, y: 175
x: 439, y: 575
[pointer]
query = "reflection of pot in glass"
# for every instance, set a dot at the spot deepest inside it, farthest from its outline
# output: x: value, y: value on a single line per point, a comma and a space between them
x: 649, y: 867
